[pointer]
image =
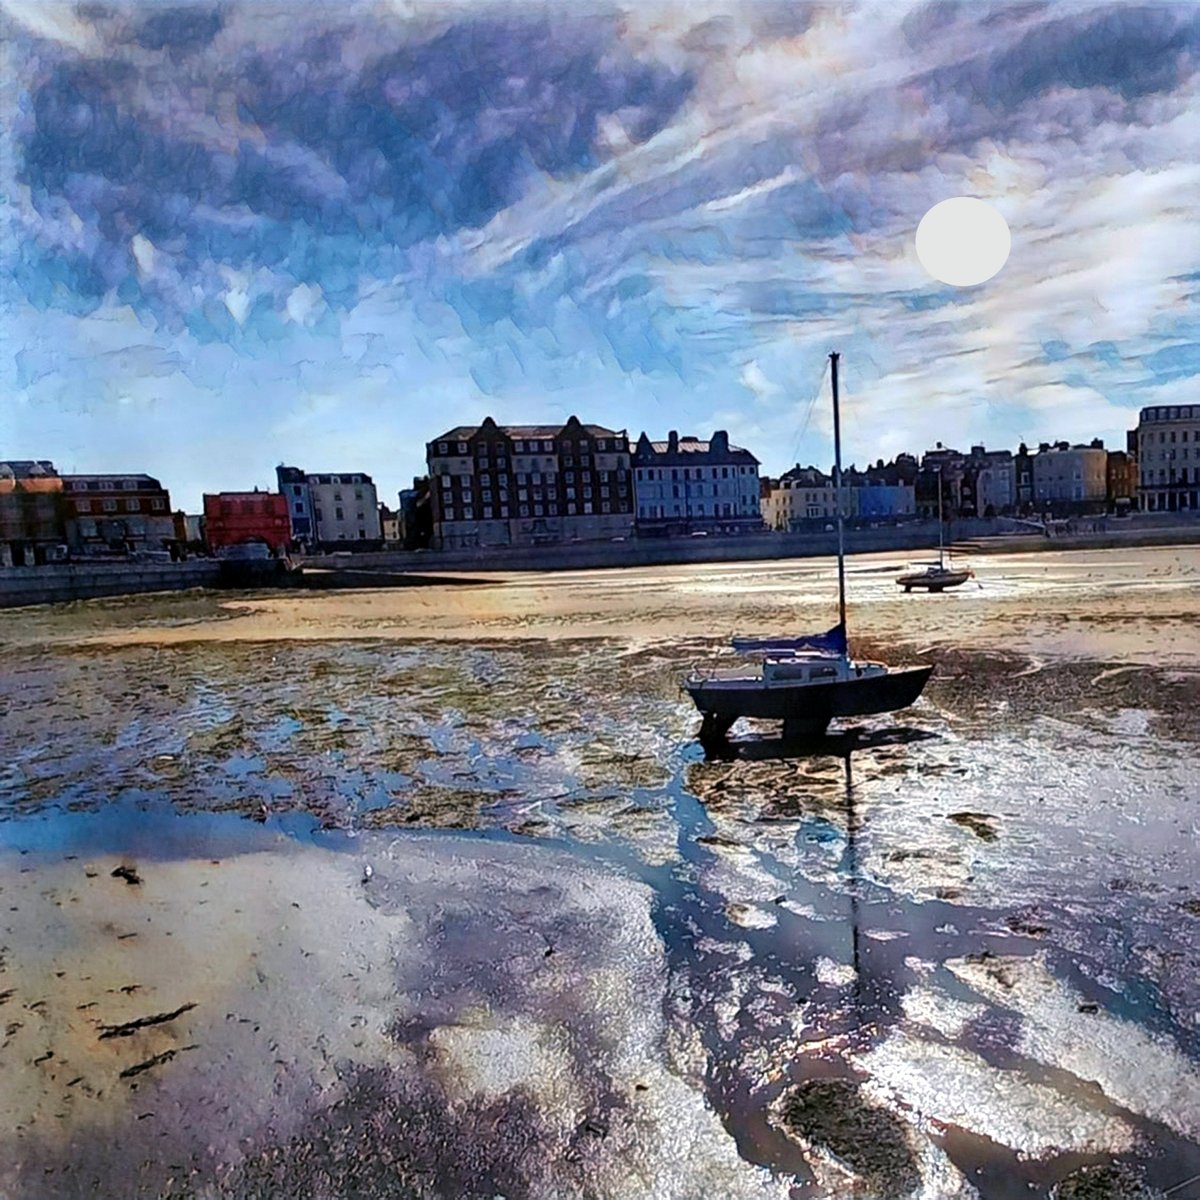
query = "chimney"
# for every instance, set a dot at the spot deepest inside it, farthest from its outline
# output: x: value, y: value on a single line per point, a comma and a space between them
x: 673, y: 442
x: 1043, y: 447
x: 1097, y: 443
x: 720, y: 442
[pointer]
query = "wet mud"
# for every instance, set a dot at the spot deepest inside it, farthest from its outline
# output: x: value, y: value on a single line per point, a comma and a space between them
x: 382, y: 916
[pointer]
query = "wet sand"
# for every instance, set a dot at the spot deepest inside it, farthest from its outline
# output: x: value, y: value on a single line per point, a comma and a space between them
x: 431, y: 892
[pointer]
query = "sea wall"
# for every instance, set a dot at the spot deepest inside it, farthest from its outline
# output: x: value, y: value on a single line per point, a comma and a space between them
x: 985, y: 536
x: 59, y: 582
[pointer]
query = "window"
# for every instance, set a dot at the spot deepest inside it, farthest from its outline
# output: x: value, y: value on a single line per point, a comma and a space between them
x: 462, y: 447
x: 317, y: 514
x: 337, y: 514
x: 443, y: 447
x: 299, y: 507
x: 524, y: 510
x: 337, y: 495
x: 359, y: 515
x: 110, y: 505
x: 538, y: 510
x: 83, y: 506
x: 358, y: 493
x: 362, y: 533
x: 296, y: 489
x: 504, y: 510
x: 468, y: 514
x: 487, y: 513
x: 587, y: 508
x: 570, y: 493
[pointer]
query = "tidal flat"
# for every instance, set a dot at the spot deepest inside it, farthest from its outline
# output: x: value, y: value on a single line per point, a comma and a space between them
x: 432, y: 892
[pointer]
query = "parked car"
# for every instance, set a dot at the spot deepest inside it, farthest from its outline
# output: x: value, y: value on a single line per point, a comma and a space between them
x: 700, y: 533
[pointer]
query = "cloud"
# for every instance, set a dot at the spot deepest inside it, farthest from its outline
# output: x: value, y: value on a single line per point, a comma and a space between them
x: 675, y: 211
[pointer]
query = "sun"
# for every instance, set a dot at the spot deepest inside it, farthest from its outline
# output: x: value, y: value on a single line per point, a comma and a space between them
x: 963, y: 241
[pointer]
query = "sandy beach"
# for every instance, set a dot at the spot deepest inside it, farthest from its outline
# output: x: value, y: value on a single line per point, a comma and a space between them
x: 431, y: 892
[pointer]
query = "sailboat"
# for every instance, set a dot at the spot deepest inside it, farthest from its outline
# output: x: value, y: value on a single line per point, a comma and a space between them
x: 937, y: 576
x: 807, y: 681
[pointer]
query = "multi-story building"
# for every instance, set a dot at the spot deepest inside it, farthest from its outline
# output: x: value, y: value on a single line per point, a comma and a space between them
x: 293, y: 483
x: 239, y: 518
x: 117, y: 512
x: 944, y: 468
x: 493, y: 485
x: 31, y: 512
x: 1121, y: 481
x: 389, y: 526
x: 416, y: 515
x: 992, y: 477
x: 685, y: 485
x: 1070, y: 480
x: 803, y: 498
x: 329, y: 511
x: 1168, y: 457
x: 873, y: 498
x: 1023, y: 477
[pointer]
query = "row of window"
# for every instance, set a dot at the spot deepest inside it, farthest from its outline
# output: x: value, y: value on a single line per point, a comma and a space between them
x: 107, y: 485
x: 1171, y: 413
x: 535, y: 446
x: 503, y: 511
x: 658, y: 511
x: 338, y: 514
x: 694, y: 472
x: 157, y: 504
x: 1179, y: 475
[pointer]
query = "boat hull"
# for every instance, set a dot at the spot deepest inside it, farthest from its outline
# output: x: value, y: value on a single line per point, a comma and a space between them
x: 807, y: 705
x: 934, y: 583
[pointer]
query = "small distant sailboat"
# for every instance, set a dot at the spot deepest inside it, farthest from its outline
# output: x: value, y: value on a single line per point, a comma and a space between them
x: 940, y: 575
x: 805, y: 682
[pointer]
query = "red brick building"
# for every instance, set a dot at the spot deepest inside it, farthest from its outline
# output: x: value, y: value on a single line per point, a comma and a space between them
x: 131, y: 512
x: 237, y: 518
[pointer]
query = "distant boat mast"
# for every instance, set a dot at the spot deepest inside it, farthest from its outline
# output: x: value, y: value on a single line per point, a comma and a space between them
x: 837, y: 491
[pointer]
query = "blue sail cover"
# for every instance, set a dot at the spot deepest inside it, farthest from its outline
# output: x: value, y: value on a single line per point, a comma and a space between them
x: 831, y: 642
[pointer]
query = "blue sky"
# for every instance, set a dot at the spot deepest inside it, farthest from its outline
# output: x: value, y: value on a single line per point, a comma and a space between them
x: 243, y: 234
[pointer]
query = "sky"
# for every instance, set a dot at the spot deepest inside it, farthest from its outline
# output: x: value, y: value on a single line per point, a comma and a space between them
x: 242, y: 234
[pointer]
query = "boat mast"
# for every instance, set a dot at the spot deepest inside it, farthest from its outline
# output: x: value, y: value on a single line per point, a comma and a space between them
x: 941, y: 526
x: 837, y: 491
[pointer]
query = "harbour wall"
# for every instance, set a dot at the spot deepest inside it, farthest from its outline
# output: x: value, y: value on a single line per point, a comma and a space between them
x: 61, y: 582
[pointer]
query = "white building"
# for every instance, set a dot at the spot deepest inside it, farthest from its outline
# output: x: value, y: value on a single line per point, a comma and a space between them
x: 340, y: 509
x: 684, y: 485
x: 1168, y: 451
x: 1070, y: 479
x: 804, y: 498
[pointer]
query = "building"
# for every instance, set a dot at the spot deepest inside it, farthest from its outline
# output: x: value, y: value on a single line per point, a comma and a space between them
x: 684, y: 485
x: 31, y: 512
x: 493, y: 485
x: 1070, y: 480
x: 1023, y: 476
x: 237, y: 518
x: 1121, y: 482
x: 872, y: 498
x: 1168, y: 458
x: 802, y: 499
x: 991, y: 477
x: 944, y: 468
x: 331, y: 510
x: 389, y: 526
x: 117, y: 512
x: 293, y: 483
x: 416, y: 515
